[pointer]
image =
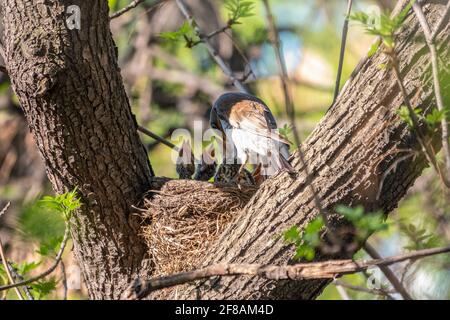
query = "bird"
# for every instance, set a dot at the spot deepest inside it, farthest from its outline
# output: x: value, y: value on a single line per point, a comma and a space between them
x: 185, y: 166
x: 206, y: 169
x: 229, y: 173
x: 248, y: 124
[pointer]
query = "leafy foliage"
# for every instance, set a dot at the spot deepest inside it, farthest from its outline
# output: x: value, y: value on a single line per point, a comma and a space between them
x: 308, y: 240
x: 65, y: 203
x: 186, y: 31
x: 435, y: 117
x: 418, y: 238
x: 365, y: 223
x: 238, y: 9
x: 382, y: 25
x: 405, y: 115
x: 49, y: 242
x: 43, y: 288
x: 285, y: 131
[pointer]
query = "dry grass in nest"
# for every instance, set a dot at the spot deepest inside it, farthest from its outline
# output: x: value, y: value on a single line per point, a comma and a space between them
x: 186, y: 217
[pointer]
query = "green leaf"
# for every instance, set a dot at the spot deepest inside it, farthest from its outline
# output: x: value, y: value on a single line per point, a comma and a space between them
x: 365, y: 223
x: 185, y: 32
x: 435, y: 117
x: 292, y: 235
x: 304, y: 252
x: 404, y: 114
x: 238, y: 9
x: 352, y: 214
x: 43, y: 288
x: 65, y: 203
x: 382, y: 25
x: 373, y: 48
x: 24, y: 268
x: 50, y: 246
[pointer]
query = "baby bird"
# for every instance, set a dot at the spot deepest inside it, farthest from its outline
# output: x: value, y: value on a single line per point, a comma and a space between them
x: 247, y: 122
x: 185, y: 166
x: 207, y: 167
x: 232, y: 173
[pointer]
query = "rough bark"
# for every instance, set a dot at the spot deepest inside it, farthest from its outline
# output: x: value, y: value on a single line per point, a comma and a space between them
x: 354, y: 157
x: 69, y: 86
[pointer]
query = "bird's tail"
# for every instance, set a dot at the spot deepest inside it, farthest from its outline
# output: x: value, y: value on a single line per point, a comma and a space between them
x: 277, y: 162
x: 285, y: 165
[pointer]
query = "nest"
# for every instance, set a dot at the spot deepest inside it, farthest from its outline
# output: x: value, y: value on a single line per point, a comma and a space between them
x: 185, y: 218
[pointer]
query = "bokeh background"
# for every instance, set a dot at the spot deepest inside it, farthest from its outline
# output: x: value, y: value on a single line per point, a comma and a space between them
x: 172, y: 86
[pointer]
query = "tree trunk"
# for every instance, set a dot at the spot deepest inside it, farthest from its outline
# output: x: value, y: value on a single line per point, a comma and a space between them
x: 354, y: 157
x: 69, y: 86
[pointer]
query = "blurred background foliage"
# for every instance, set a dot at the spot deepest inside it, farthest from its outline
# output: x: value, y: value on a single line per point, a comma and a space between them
x: 172, y: 86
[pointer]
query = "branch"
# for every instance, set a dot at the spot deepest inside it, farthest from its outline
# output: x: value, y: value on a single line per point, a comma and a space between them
x: 49, y: 270
x: 158, y: 138
x: 5, y: 262
x: 275, y: 40
x: 342, y: 53
x: 302, y: 271
x: 388, y: 272
x: 132, y: 5
x: 437, y: 86
x: 429, y: 154
x: 218, y: 59
x: 442, y: 22
x: 377, y: 292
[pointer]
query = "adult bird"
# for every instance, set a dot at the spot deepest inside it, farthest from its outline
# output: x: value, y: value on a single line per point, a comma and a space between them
x: 247, y: 123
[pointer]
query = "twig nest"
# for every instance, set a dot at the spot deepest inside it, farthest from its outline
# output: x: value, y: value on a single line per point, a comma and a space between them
x: 185, y: 217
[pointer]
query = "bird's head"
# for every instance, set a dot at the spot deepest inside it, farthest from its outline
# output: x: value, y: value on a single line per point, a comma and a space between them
x: 185, y: 161
x: 207, y: 168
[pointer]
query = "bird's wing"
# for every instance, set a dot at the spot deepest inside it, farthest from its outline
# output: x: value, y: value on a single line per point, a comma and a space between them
x: 253, y: 117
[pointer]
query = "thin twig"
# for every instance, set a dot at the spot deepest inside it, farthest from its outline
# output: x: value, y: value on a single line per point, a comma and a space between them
x: 342, y: 292
x: 302, y: 271
x: 64, y: 279
x: 342, y: 52
x: 276, y: 43
x: 158, y: 138
x: 8, y: 271
x: 377, y: 292
x: 442, y: 22
x: 49, y: 270
x: 5, y: 262
x: 436, y: 84
x: 388, y: 272
x: 217, y: 58
x: 218, y: 31
x: 25, y: 289
x: 429, y: 154
x: 132, y: 5
x: 17, y: 276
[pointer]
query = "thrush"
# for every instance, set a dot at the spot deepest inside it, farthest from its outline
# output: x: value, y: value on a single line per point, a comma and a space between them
x: 185, y: 166
x: 232, y: 173
x: 248, y: 124
x: 207, y: 167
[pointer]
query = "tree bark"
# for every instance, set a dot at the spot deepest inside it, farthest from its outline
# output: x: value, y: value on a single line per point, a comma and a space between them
x: 355, y: 156
x: 69, y: 86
